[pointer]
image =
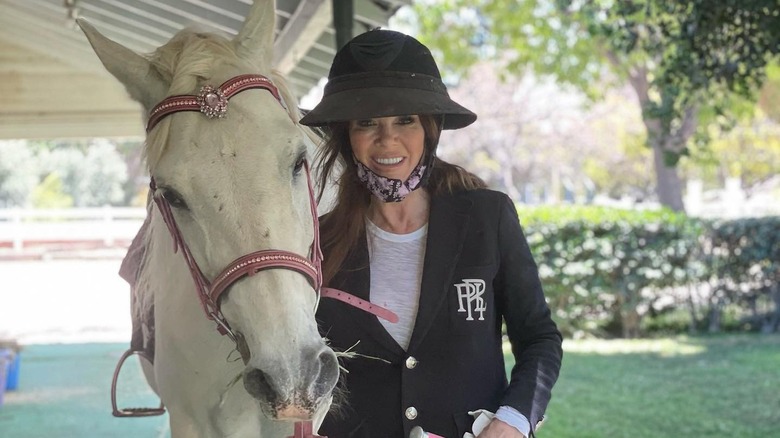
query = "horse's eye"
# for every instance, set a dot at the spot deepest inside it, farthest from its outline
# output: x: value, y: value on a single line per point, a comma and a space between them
x: 174, y: 199
x: 299, y: 165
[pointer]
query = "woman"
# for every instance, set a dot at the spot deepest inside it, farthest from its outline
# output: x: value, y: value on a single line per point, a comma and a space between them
x: 425, y: 239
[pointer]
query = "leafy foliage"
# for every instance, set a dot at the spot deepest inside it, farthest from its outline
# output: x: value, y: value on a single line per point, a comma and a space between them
x: 596, y: 263
x: 689, y: 63
x: 743, y: 257
x: 88, y: 174
x: 533, y: 136
x: 750, y: 151
x: 18, y: 173
x: 769, y: 97
x: 724, y: 43
x: 606, y: 269
x: 696, y: 51
x: 50, y: 194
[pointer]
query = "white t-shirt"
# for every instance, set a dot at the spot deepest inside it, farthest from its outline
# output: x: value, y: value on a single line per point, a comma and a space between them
x: 396, y: 263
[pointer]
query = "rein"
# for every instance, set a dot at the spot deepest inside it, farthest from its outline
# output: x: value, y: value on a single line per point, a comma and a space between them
x: 213, y: 103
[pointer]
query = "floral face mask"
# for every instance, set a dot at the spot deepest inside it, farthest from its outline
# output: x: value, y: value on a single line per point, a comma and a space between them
x: 391, y: 189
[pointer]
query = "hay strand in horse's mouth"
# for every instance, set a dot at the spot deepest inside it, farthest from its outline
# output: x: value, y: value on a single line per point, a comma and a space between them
x: 230, y: 358
x: 349, y: 354
x: 228, y: 387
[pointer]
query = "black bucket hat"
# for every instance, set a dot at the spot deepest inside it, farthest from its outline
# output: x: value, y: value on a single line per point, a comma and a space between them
x: 383, y: 73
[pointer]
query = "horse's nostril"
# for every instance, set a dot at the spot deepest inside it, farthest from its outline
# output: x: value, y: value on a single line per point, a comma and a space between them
x: 328, y: 362
x: 328, y: 373
x: 257, y: 385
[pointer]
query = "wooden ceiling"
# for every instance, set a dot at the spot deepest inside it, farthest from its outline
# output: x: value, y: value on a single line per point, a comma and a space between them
x: 53, y: 85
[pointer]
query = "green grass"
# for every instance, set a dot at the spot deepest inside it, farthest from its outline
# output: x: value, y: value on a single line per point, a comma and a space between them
x: 681, y: 387
x: 674, y: 387
x: 64, y: 392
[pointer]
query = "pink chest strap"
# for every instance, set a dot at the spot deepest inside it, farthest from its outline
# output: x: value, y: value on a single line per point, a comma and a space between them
x: 361, y: 304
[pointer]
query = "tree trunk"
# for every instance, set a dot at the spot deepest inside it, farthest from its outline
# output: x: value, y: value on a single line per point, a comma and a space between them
x: 692, y: 329
x: 668, y: 186
x: 630, y: 319
x: 715, y: 315
x: 135, y: 171
x: 773, y: 321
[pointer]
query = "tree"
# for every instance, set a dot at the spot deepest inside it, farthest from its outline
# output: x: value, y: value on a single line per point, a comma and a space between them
x: 18, y: 174
x: 104, y: 177
x: 750, y: 151
x: 684, y: 60
x: 83, y: 173
x: 131, y: 151
x: 50, y: 194
x: 535, y: 139
x: 93, y: 174
x: 769, y: 97
x: 513, y: 146
x: 625, y: 172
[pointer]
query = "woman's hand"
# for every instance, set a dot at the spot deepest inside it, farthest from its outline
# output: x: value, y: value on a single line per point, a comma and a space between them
x: 498, y: 429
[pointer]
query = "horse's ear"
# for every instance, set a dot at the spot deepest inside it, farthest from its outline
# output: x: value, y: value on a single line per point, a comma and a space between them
x: 255, y: 40
x: 142, y: 81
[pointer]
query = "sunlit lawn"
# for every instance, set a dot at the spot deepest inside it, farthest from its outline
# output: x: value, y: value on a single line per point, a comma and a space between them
x: 681, y: 387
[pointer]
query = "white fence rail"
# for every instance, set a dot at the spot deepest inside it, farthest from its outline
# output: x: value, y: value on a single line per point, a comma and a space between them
x: 107, y: 225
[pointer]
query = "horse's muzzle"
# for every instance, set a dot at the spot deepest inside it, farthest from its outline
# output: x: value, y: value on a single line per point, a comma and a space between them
x: 294, y: 394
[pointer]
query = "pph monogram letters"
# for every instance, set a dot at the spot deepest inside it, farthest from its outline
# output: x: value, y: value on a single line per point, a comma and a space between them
x: 470, y: 298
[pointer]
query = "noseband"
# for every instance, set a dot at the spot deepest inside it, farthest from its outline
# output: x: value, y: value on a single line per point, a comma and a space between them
x: 213, y: 103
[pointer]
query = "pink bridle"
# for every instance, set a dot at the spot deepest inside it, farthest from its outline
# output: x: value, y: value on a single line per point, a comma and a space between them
x: 213, y: 102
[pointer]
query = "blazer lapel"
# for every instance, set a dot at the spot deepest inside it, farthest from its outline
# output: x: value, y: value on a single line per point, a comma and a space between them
x: 447, y: 225
x: 358, y: 283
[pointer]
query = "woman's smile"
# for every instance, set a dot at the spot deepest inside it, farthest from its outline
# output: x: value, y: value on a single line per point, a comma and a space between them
x: 388, y: 161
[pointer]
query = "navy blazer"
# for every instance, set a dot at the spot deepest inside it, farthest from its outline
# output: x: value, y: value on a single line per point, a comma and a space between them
x: 478, y: 271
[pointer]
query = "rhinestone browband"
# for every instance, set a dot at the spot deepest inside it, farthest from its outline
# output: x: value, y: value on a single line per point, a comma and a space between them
x: 212, y: 102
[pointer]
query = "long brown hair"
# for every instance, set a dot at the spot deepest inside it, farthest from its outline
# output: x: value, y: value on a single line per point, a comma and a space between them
x: 345, y: 224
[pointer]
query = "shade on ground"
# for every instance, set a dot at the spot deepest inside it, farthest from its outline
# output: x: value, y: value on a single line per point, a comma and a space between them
x: 64, y: 393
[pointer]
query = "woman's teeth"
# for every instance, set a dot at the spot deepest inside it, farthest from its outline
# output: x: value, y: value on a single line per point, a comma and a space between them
x: 388, y: 160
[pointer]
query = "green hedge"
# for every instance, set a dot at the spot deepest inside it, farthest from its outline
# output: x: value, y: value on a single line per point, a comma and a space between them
x: 742, y: 260
x: 621, y: 272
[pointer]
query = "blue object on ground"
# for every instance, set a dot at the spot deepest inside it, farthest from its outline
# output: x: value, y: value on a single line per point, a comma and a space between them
x: 12, y: 378
x: 6, y: 357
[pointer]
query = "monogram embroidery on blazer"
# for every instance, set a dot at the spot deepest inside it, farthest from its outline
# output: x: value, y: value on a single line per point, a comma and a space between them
x: 470, y: 298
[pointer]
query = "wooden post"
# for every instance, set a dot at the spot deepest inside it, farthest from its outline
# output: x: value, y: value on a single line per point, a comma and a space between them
x: 343, y: 19
x: 16, y: 230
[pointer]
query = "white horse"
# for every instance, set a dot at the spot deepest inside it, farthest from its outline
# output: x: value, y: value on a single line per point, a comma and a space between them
x: 232, y: 186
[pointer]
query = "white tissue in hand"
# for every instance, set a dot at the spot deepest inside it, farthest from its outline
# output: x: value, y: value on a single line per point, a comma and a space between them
x: 481, y: 420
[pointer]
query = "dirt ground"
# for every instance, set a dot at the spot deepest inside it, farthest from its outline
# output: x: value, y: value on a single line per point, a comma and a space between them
x: 64, y: 301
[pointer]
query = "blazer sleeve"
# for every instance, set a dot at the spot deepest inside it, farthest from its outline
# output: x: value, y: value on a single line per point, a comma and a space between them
x: 535, y: 339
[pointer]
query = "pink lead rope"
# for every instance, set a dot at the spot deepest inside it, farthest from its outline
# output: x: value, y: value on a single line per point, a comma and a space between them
x: 303, y: 429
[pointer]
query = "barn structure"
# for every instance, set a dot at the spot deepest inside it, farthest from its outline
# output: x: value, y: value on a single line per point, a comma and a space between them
x: 53, y: 85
